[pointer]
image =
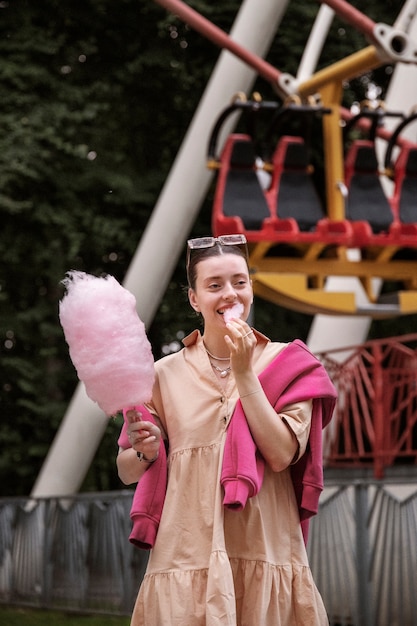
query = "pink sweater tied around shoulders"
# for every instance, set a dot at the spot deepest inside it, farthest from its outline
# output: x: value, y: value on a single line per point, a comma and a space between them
x: 295, y: 375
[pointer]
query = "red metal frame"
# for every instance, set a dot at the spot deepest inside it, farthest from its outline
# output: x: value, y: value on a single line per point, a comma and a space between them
x: 267, y: 71
x: 220, y: 38
x: 375, y: 421
x: 352, y: 16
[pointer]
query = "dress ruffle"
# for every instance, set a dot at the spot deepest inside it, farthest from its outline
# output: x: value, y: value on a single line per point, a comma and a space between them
x: 257, y: 593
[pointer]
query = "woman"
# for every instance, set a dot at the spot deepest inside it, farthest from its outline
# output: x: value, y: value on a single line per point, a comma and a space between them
x: 211, y: 564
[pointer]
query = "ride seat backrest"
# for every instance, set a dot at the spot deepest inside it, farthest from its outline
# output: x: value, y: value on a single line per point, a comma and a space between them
x: 243, y: 194
x: 407, y: 201
x: 296, y: 194
x: 366, y: 198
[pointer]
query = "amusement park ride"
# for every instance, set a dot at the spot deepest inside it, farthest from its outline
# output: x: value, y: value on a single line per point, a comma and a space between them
x: 297, y: 241
x: 298, y: 238
x: 357, y: 229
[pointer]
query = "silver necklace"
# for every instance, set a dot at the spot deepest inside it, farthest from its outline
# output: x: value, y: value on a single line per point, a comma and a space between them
x: 223, y: 373
x: 217, y: 358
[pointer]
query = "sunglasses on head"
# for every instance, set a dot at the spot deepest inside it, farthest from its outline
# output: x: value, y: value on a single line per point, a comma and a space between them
x: 209, y: 242
x: 223, y: 240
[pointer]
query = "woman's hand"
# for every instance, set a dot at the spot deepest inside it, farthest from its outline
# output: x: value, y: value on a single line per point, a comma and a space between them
x: 241, y: 342
x: 143, y: 436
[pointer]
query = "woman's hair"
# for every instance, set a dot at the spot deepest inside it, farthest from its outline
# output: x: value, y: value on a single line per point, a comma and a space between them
x: 204, y: 253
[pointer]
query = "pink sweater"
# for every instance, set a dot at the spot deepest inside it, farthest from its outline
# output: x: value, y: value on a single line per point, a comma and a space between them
x: 293, y: 376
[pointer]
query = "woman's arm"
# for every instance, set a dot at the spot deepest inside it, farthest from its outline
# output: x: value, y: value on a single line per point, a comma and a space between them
x: 271, y: 432
x: 129, y: 468
x: 273, y: 436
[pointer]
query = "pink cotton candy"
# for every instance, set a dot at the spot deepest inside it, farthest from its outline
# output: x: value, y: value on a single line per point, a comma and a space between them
x: 235, y: 311
x: 107, y: 341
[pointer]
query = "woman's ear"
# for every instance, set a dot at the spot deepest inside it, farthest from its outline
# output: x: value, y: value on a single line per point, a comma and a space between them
x: 193, y: 300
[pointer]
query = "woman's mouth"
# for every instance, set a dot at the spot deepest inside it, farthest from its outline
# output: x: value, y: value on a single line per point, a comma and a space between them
x: 232, y: 312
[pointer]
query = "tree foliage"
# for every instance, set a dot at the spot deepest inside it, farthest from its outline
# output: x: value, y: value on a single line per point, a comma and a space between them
x: 96, y: 98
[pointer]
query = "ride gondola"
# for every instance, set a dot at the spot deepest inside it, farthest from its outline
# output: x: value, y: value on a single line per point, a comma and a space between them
x: 295, y: 240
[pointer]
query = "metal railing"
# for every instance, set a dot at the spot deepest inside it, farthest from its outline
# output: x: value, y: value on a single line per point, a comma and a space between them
x: 73, y: 553
x: 363, y: 548
x: 375, y: 420
x: 70, y: 553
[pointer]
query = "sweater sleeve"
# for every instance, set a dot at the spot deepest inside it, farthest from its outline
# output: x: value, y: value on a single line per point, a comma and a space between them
x: 149, y: 496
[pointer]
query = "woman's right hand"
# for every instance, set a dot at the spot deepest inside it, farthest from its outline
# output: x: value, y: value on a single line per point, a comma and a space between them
x: 144, y: 436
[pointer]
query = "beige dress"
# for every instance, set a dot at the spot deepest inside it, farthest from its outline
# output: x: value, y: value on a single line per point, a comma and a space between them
x: 211, y: 566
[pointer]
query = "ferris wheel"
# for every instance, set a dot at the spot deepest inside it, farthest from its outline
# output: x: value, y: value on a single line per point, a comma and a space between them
x: 330, y: 255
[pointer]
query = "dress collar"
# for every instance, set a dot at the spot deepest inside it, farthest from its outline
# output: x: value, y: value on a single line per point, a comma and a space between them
x: 195, y: 337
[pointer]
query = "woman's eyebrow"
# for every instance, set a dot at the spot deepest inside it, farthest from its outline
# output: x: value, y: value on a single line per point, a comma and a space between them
x: 218, y: 277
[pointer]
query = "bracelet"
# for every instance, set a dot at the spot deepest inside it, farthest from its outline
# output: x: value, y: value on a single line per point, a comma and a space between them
x: 250, y: 393
x: 142, y: 457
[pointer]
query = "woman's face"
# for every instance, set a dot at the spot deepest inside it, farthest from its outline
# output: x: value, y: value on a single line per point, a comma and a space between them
x: 222, y: 281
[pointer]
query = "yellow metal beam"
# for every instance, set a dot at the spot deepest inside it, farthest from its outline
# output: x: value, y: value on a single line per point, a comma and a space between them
x: 291, y: 291
x: 333, y: 153
x: 407, y: 301
x: 352, y: 66
x: 393, y: 270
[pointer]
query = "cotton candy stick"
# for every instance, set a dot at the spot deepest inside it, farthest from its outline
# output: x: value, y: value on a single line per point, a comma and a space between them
x: 107, y: 341
x: 235, y: 311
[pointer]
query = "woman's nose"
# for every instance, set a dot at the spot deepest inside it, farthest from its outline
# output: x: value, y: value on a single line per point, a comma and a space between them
x: 229, y: 292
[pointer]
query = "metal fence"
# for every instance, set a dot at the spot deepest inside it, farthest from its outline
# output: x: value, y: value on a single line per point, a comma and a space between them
x: 70, y: 553
x: 73, y: 553
x: 363, y: 548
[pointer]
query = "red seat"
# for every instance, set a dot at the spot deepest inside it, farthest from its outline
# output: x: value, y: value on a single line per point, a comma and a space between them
x: 405, y: 186
x: 366, y: 201
x: 240, y: 204
x: 293, y: 194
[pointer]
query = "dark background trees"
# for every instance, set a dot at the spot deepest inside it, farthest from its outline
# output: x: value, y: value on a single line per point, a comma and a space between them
x: 96, y: 98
